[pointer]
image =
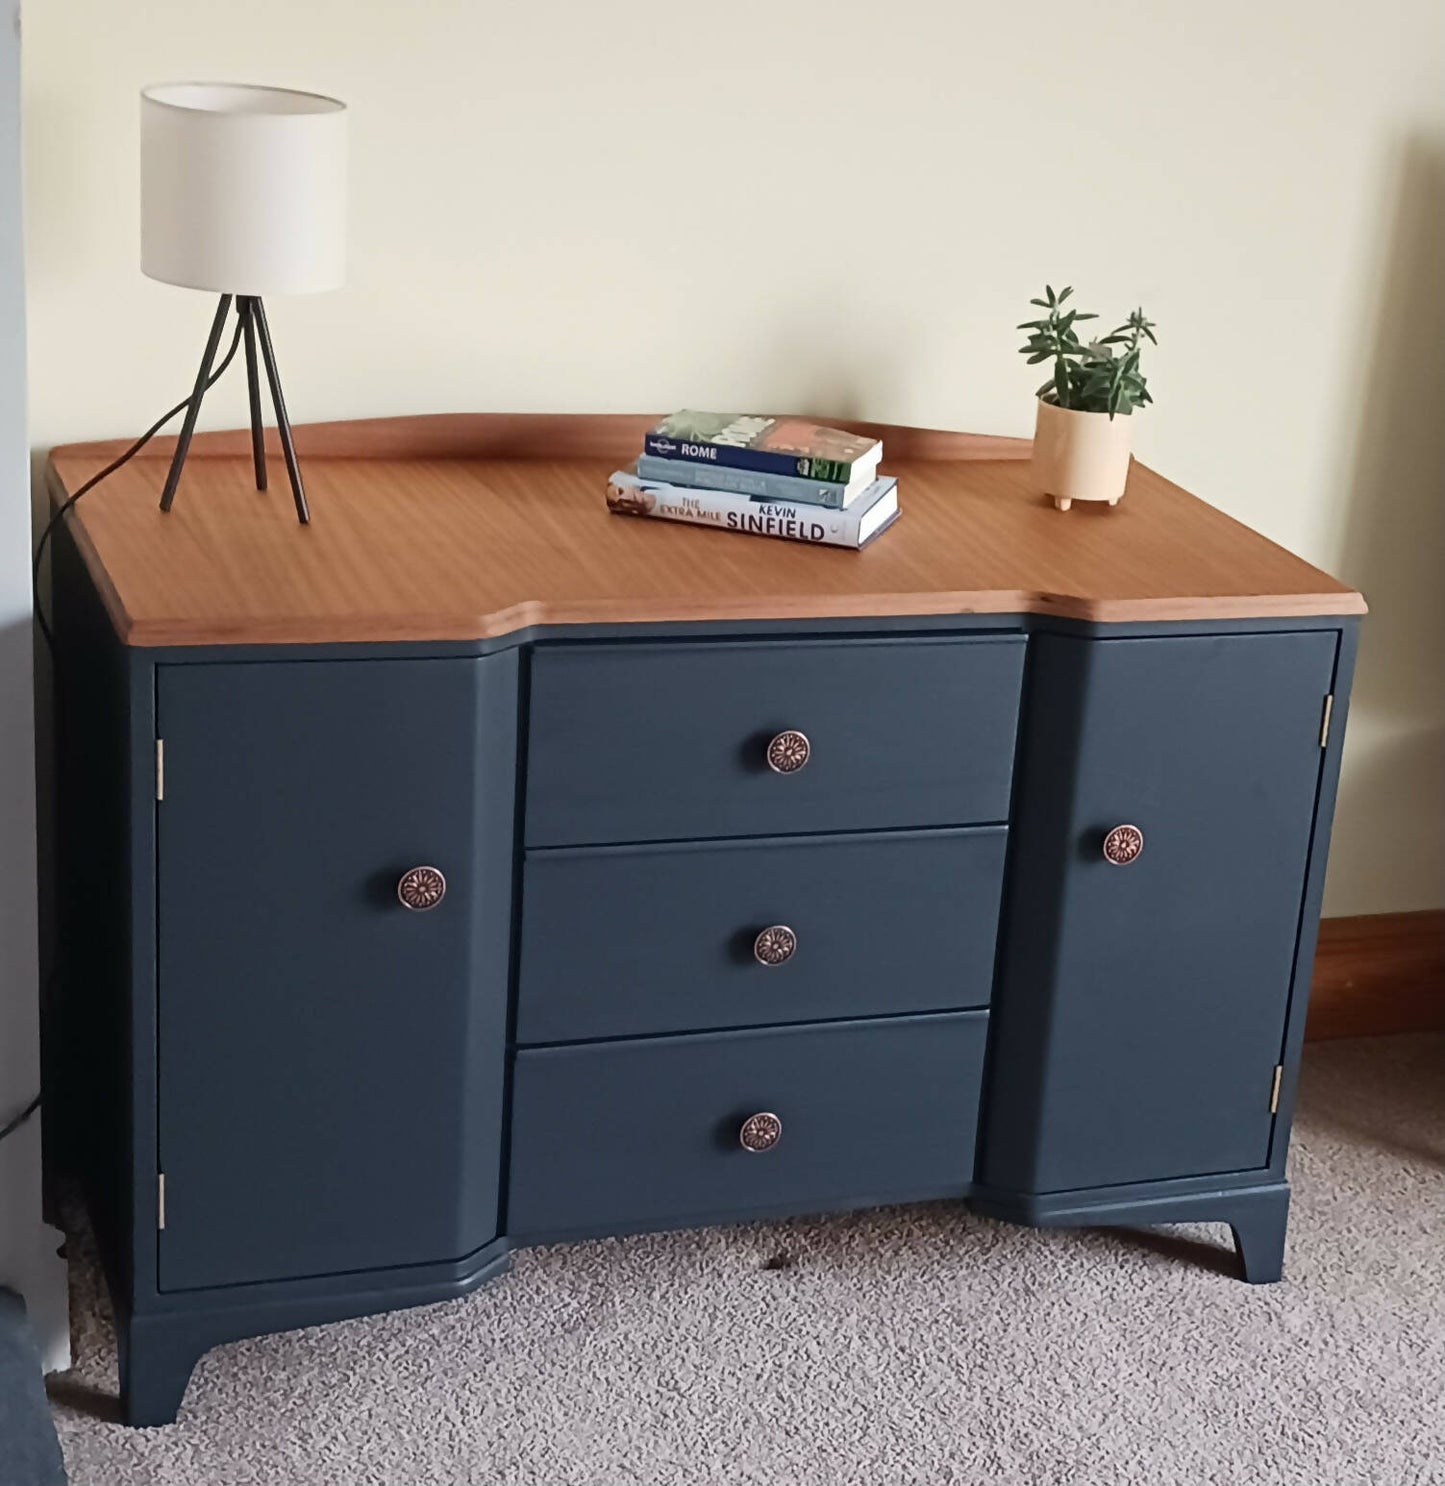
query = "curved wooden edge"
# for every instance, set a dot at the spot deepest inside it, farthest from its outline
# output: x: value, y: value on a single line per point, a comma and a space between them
x: 519, y: 436
x: 105, y: 585
x: 1011, y: 605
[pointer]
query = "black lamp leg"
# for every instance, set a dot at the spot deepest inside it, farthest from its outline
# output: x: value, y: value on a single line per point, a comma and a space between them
x: 253, y: 387
x: 283, y: 423
x: 193, y: 408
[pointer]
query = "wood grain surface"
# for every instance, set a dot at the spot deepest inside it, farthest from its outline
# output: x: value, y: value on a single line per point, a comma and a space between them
x: 462, y: 527
x: 1381, y: 972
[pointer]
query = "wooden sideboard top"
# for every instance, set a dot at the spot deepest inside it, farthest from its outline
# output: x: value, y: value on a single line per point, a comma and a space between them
x: 471, y: 526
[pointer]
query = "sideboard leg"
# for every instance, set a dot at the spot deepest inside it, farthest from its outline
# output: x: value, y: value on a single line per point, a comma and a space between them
x: 155, y: 1367
x: 1256, y: 1216
x: 1259, y: 1232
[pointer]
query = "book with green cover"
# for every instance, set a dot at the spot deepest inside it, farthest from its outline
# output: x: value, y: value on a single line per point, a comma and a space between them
x: 756, y: 483
x: 779, y: 446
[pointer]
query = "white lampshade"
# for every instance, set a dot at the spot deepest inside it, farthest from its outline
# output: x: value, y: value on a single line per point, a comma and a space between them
x: 243, y: 189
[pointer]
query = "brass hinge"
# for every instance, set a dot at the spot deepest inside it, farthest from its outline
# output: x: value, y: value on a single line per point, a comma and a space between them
x: 1274, y: 1089
x: 1325, y: 721
x: 160, y: 1199
x: 160, y: 768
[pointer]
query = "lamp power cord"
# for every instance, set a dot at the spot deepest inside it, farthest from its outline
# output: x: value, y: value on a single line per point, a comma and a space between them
x: 67, y: 505
x: 59, y: 515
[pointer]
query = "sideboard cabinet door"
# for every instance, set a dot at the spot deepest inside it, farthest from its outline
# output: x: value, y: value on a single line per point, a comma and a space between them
x: 1141, y: 1006
x: 331, y: 1062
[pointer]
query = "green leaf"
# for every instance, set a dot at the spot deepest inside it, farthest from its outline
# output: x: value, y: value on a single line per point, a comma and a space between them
x: 1053, y: 298
x: 1043, y: 304
x: 1039, y: 356
x: 1064, y: 293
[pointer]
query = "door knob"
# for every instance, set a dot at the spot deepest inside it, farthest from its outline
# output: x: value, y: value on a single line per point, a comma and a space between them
x: 1123, y: 845
x: 775, y: 945
x: 421, y: 888
x: 789, y: 751
x: 760, y: 1132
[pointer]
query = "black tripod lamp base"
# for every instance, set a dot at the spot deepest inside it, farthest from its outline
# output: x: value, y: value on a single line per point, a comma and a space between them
x: 254, y: 331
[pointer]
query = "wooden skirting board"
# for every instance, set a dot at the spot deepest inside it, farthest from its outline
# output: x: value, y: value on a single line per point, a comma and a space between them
x: 1381, y: 972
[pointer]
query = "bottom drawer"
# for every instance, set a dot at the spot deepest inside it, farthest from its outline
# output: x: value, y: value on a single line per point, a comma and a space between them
x: 622, y: 1135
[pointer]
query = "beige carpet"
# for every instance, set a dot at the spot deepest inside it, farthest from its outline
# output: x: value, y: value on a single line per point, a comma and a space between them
x: 912, y: 1345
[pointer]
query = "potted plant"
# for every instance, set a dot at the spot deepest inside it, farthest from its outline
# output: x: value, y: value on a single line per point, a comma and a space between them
x: 1084, y: 429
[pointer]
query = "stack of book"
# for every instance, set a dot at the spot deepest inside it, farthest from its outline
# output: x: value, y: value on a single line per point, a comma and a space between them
x: 771, y: 477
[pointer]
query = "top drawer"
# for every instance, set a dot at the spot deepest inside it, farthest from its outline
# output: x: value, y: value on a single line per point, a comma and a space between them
x: 657, y: 742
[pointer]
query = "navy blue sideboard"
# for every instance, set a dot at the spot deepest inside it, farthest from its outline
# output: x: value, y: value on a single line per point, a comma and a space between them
x: 383, y: 958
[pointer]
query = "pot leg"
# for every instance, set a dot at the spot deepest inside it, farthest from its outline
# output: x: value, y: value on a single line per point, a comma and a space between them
x: 1115, y: 501
x: 1063, y: 502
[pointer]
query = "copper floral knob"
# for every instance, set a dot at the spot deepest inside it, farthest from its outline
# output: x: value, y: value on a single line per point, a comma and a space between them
x: 760, y: 1132
x: 421, y: 888
x: 775, y: 945
x: 1122, y: 845
x: 789, y: 751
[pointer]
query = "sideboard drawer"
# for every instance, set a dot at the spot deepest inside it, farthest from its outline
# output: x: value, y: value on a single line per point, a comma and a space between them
x: 656, y: 742
x: 619, y: 1135
x: 632, y: 940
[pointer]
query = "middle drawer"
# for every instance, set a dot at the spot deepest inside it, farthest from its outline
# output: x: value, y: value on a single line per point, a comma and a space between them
x: 638, y: 940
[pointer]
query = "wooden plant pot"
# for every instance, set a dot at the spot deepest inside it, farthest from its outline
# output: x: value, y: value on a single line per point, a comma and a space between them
x: 1081, y: 456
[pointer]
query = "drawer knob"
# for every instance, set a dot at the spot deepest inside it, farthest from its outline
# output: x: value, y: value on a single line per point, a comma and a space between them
x: 775, y: 945
x: 760, y: 1132
x: 1123, y: 845
x: 789, y: 751
x: 421, y: 888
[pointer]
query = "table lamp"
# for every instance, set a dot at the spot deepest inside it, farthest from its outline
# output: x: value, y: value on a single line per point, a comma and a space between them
x: 243, y: 193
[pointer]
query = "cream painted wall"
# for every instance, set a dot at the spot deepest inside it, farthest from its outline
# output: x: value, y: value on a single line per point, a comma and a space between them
x: 841, y: 208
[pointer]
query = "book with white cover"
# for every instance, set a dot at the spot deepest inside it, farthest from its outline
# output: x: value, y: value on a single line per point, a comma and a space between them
x: 628, y: 494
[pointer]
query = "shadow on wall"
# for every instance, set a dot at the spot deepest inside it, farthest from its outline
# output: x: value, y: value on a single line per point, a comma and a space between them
x: 28, y: 1261
x: 19, y: 1074
x: 1392, y: 799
